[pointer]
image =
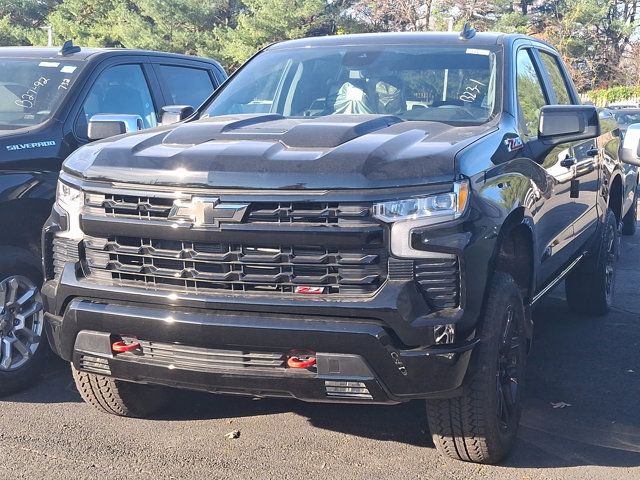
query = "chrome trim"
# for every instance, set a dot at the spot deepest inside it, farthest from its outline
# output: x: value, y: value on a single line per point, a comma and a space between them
x: 558, y: 279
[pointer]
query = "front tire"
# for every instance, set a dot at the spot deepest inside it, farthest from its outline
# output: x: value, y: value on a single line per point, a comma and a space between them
x: 481, y: 425
x: 118, y: 397
x: 23, y: 344
x: 589, y: 287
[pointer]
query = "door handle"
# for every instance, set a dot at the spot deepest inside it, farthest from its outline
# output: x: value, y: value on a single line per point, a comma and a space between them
x: 568, y: 162
x: 593, y: 152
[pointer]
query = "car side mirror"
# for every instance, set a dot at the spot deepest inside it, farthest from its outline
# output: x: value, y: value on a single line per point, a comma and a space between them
x: 568, y: 123
x: 630, y: 150
x: 176, y: 113
x: 107, y: 125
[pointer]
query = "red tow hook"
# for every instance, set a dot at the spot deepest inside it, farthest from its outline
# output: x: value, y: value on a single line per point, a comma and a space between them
x: 122, y: 346
x: 300, y: 359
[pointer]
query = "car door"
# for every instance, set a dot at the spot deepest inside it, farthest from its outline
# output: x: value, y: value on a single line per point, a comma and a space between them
x: 587, y: 154
x: 185, y: 83
x: 553, y: 211
x: 122, y: 86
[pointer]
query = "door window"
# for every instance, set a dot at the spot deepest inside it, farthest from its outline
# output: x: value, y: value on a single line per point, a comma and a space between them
x: 558, y: 81
x: 185, y: 85
x: 530, y: 94
x: 122, y: 89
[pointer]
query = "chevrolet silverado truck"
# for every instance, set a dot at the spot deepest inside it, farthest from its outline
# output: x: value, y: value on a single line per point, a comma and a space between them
x: 358, y: 219
x: 47, y: 97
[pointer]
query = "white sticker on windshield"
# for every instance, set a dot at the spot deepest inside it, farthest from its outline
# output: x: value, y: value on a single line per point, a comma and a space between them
x: 49, y: 64
x: 68, y: 69
x: 477, y: 51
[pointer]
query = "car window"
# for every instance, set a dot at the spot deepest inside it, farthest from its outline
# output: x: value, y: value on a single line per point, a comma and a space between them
x: 451, y: 84
x: 121, y: 89
x: 186, y: 85
x: 563, y: 97
x: 530, y: 94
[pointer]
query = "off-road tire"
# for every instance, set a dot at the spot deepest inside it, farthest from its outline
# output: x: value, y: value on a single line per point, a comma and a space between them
x: 589, y: 287
x: 468, y: 427
x: 125, y: 399
x: 16, y: 262
x: 630, y: 219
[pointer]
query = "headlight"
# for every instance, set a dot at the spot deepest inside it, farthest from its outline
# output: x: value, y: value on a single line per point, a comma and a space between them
x: 409, y: 214
x: 71, y: 200
x: 433, y: 209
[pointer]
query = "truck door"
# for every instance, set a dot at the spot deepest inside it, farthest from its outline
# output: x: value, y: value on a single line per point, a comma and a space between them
x: 553, y: 213
x: 585, y: 183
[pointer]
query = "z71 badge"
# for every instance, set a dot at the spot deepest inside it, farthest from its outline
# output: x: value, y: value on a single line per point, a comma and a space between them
x: 514, y: 144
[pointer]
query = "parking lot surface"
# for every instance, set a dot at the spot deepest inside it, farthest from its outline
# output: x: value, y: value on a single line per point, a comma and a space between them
x: 589, y: 368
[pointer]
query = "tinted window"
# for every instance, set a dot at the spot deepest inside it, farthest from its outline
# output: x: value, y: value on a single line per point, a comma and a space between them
x: 443, y: 84
x: 121, y: 89
x: 557, y: 79
x: 186, y: 86
x: 530, y: 94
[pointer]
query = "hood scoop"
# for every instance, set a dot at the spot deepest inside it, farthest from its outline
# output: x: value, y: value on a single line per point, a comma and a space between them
x: 324, y: 132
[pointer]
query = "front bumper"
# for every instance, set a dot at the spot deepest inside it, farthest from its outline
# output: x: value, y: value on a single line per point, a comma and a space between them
x: 362, y: 353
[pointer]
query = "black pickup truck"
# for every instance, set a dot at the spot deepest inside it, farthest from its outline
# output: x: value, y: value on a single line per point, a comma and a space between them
x: 363, y: 218
x: 47, y: 97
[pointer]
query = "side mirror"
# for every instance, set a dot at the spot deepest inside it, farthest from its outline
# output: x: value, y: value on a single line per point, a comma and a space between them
x: 176, y: 113
x: 107, y: 125
x: 568, y: 123
x: 630, y: 151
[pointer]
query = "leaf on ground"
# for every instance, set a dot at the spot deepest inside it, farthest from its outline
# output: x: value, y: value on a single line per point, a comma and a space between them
x: 233, y: 434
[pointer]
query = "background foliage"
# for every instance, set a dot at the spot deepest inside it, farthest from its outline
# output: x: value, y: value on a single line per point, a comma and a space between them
x: 598, y: 38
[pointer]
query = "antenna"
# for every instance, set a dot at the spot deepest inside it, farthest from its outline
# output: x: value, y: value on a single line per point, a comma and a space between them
x: 468, y: 32
x: 68, y: 48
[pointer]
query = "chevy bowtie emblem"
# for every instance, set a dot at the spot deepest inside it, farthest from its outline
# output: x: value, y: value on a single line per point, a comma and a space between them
x: 207, y: 211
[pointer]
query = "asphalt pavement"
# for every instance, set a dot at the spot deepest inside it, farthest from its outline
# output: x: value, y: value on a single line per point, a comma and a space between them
x: 588, y: 368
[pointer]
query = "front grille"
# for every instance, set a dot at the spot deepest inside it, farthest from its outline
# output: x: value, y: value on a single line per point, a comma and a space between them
x: 439, y: 279
x: 157, y: 208
x: 205, y: 359
x: 196, y: 267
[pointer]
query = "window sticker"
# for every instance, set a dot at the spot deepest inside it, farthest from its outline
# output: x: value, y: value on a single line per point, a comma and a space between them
x: 49, y: 64
x: 478, y: 51
x: 68, y: 69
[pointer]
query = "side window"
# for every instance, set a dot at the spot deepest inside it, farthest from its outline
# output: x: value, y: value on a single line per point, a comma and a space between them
x: 185, y: 85
x: 558, y: 80
x: 530, y: 94
x: 121, y: 89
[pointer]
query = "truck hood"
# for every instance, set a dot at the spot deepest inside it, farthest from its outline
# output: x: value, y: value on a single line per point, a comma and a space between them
x: 274, y: 152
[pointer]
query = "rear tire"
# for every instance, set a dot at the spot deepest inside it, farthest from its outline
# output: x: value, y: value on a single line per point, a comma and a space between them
x: 23, y: 342
x: 630, y: 219
x: 589, y: 287
x: 481, y: 425
x: 117, y: 397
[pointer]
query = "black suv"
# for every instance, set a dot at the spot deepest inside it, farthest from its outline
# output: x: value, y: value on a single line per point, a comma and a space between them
x: 362, y: 218
x: 47, y: 97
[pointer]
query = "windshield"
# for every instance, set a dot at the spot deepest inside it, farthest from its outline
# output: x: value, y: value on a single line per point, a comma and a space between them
x: 30, y: 90
x: 446, y: 83
x: 627, y: 117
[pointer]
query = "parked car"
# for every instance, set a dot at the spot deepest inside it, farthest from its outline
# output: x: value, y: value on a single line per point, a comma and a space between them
x: 47, y: 98
x: 626, y: 116
x: 357, y: 219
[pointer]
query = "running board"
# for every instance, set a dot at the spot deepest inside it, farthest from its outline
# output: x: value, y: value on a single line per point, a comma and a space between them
x: 558, y: 279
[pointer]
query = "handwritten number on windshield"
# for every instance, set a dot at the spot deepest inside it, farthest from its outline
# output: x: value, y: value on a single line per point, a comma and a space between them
x: 472, y: 91
x: 28, y: 99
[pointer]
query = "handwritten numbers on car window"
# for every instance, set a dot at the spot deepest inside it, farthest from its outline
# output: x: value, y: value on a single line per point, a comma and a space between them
x: 64, y: 85
x: 28, y: 99
x: 472, y: 91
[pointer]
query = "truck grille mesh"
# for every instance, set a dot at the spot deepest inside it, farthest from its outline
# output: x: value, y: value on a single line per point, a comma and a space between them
x: 157, y: 208
x: 200, y: 267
